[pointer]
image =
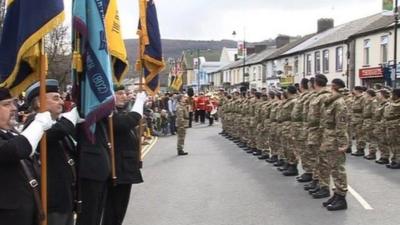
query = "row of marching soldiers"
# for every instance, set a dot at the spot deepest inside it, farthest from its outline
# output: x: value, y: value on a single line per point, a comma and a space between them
x: 78, y: 176
x: 314, y: 126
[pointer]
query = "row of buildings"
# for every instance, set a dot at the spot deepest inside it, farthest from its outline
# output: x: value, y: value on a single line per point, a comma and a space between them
x: 360, y: 52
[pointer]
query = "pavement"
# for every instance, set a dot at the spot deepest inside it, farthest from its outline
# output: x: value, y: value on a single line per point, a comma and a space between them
x: 219, y: 184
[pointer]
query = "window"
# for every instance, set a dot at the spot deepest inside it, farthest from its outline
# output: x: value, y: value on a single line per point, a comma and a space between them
x: 254, y: 74
x: 384, y: 48
x: 325, y: 61
x: 367, y: 46
x: 259, y: 72
x: 317, y: 63
x: 308, y: 64
x: 339, y: 59
x: 296, y: 65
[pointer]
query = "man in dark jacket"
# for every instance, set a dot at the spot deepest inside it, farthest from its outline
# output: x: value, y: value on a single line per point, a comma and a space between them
x: 127, y: 155
x: 61, y: 155
x: 19, y: 187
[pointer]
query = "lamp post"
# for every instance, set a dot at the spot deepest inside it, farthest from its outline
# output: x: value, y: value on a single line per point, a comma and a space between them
x: 198, y: 71
x: 396, y: 23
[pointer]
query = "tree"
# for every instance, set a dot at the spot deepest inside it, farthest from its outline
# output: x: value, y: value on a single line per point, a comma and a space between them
x: 58, y: 49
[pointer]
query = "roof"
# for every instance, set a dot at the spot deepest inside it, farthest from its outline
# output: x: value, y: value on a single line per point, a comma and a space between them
x: 382, y: 23
x: 209, y: 55
x: 337, y: 34
x: 289, y: 46
x: 259, y: 57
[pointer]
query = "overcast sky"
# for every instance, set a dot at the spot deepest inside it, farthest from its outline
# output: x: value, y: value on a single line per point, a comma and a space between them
x: 257, y: 19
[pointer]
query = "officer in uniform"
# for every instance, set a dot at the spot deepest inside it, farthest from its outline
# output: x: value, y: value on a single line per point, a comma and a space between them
x: 127, y: 155
x: 380, y: 129
x: 61, y: 155
x: 357, y: 120
x: 392, y: 122
x: 332, y: 154
x: 315, y: 133
x: 370, y: 105
x: 182, y: 115
x: 20, y: 198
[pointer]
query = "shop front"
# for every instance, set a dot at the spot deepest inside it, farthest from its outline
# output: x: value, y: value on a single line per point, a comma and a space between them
x: 371, y: 76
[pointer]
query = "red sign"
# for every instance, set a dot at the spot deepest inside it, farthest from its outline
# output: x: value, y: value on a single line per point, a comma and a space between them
x: 375, y: 72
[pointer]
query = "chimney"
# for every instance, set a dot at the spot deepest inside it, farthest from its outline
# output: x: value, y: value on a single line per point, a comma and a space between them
x: 282, y: 40
x: 325, y: 24
x: 259, y: 48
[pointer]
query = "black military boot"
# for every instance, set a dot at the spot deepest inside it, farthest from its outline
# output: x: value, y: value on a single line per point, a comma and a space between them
x: 330, y: 201
x: 250, y: 151
x: 348, y: 150
x: 359, y: 152
x: 291, y: 171
x: 393, y: 165
x: 305, y: 177
x: 257, y: 152
x: 279, y: 163
x: 263, y: 157
x: 370, y: 156
x: 273, y: 159
x: 284, y: 167
x: 181, y: 153
x: 339, y: 203
x: 382, y: 161
x: 314, y: 190
x: 322, y: 193
x: 312, y: 185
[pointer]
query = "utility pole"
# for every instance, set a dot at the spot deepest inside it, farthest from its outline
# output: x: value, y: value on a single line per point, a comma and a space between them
x: 396, y: 23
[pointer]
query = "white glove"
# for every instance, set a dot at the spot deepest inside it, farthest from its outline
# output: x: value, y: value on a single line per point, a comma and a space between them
x: 73, y: 116
x: 36, y: 129
x: 139, y: 103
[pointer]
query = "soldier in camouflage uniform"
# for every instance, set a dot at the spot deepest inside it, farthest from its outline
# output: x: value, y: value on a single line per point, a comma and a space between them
x: 259, y: 119
x: 182, y: 117
x: 370, y: 105
x: 380, y: 129
x: 332, y: 154
x: 264, y: 136
x: 314, y: 131
x: 357, y: 120
x: 251, y: 123
x: 297, y: 126
x: 392, y: 120
x: 273, y: 131
x: 278, y: 137
x: 287, y: 140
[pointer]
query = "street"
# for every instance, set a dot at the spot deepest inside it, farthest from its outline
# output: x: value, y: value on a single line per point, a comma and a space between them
x: 219, y: 184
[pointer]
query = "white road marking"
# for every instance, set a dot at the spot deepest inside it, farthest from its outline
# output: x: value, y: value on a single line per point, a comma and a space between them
x: 359, y: 198
x: 147, y: 150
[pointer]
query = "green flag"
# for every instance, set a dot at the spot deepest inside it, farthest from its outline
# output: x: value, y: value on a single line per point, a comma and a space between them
x: 387, y: 5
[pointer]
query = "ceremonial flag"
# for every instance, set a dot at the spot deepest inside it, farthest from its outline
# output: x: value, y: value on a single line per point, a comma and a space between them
x: 177, y: 84
x: 26, y: 23
x: 116, y: 44
x: 91, y: 75
x: 150, y: 50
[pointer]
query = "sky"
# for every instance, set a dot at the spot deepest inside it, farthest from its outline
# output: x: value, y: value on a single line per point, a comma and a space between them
x: 253, y: 20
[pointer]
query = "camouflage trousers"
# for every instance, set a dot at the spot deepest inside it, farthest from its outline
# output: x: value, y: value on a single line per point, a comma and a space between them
x: 259, y: 136
x: 310, y: 156
x: 358, y: 133
x: 265, y: 137
x: 392, y: 132
x: 243, y: 134
x: 251, y: 132
x: 368, y: 130
x: 274, y: 138
x: 332, y: 163
x: 181, y: 133
x: 383, y: 140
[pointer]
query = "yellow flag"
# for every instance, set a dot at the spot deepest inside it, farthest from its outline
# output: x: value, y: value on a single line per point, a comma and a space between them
x: 116, y: 44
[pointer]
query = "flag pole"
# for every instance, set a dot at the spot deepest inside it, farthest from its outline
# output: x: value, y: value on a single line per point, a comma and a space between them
x: 43, y: 142
x: 112, y: 149
x: 141, y: 121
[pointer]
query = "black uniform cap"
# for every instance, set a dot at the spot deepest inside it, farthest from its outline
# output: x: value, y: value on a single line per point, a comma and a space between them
x: 33, y: 90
